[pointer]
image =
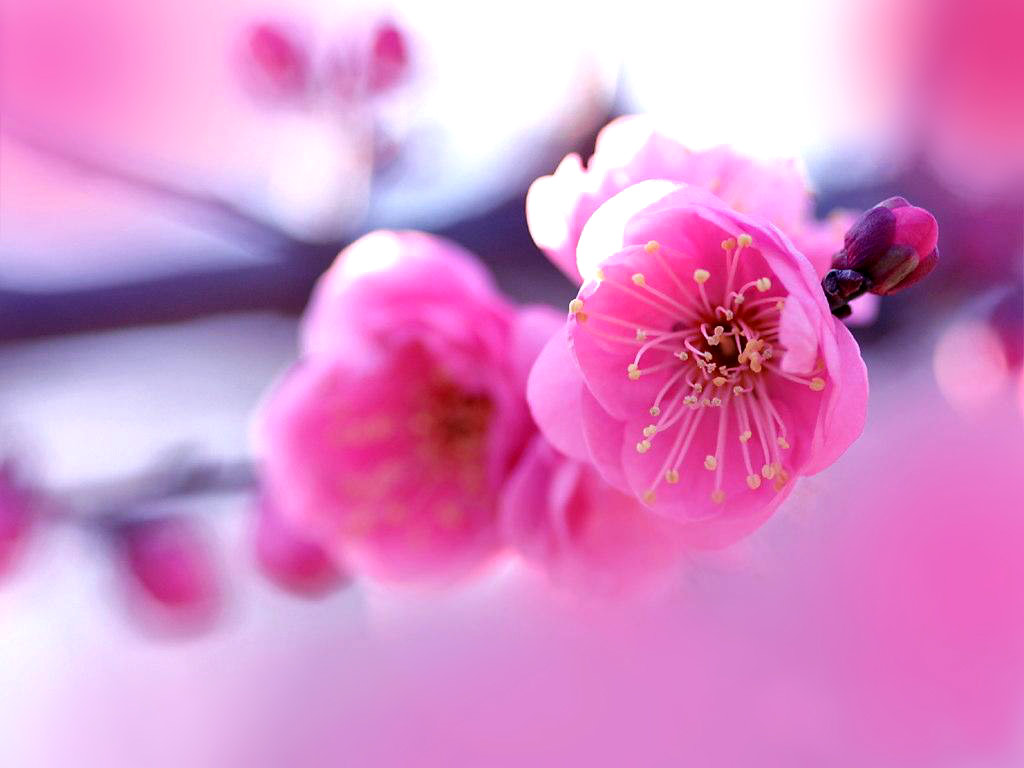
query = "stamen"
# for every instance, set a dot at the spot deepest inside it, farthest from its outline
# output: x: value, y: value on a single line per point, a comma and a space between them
x: 638, y: 279
x: 633, y: 371
x: 672, y: 476
x: 753, y: 482
x: 575, y: 306
x: 763, y: 284
x: 710, y: 462
x: 817, y: 384
x: 701, y: 276
x: 643, y: 446
x: 652, y: 246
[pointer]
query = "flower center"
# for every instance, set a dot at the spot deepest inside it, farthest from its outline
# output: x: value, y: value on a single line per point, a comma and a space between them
x: 715, y: 356
x: 457, y: 422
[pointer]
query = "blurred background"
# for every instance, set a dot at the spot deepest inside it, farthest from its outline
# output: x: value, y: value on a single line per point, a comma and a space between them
x: 175, y: 175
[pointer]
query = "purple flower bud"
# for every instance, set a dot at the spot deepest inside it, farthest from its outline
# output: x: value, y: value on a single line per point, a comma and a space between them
x: 893, y: 245
x: 292, y: 559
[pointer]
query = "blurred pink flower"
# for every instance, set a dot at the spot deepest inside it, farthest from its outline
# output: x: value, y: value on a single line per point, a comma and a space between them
x: 392, y: 438
x: 292, y: 560
x: 560, y: 515
x: 630, y: 149
x: 171, y: 569
x: 17, y: 507
x: 700, y: 369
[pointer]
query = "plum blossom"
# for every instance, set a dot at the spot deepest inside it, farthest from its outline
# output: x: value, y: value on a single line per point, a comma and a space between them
x: 561, y: 516
x: 700, y: 369
x: 631, y: 149
x: 391, y: 439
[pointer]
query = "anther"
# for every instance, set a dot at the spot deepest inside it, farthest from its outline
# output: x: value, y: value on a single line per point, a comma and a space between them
x: 575, y: 306
x: 599, y: 274
x: 745, y: 435
x: 652, y: 246
x: 729, y: 244
x: 681, y: 354
x: 701, y: 275
x: 649, y: 496
x: 633, y: 371
x: 718, y: 496
x: 641, y: 334
x: 745, y: 240
x: 716, y: 402
x: 817, y: 384
x: 783, y: 444
x: 719, y: 381
x: 763, y: 284
x: 650, y: 430
x: 767, y: 471
x: 639, y: 279
x: 710, y: 462
x: 753, y: 482
x: 643, y: 446
x: 737, y: 390
x: 672, y: 476
x: 655, y: 410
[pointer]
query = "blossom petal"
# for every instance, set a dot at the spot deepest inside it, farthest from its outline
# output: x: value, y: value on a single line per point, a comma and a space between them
x: 554, y: 391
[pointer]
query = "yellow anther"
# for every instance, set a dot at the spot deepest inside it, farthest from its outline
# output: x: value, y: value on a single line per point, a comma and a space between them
x: 672, y: 476
x: 738, y: 298
x: 783, y: 444
x: 716, y: 401
x: 768, y: 471
x: 737, y: 390
x: 643, y: 446
x: 710, y: 462
x: 701, y: 275
x: 655, y: 410
x: 641, y: 334
x: 780, y: 480
x: 729, y: 244
x: 719, y: 381
x: 763, y: 284
x: 649, y: 496
x: 681, y: 354
x: 633, y: 370
x: 698, y: 387
x: 652, y: 246
x: 755, y: 363
x: 718, y: 495
x: 745, y: 240
x: 753, y: 482
x: 575, y: 306
x: 650, y: 430
x: 582, y: 317
x: 817, y: 384
x: 599, y: 274
x: 639, y: 279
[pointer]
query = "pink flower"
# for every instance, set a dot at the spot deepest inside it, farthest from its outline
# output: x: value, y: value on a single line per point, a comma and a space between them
x: 559, y: 514
x: 392, y: 438
x: 630, y: 149
x: 700, y: 369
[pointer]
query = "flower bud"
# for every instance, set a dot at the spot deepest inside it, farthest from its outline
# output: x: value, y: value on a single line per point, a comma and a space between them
x: 168, y: 562
x: 893, y: 246
x: 16, y: 511
x: 291, y: 559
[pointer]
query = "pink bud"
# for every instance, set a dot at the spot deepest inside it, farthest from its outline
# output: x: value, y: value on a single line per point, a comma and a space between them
x: 170, y: 564
x: 276, y: 62
x: 16, y: 511
x: 293, y: 560
x: 389, y: 58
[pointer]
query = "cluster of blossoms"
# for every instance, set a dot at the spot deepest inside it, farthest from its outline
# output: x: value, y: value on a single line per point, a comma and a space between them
x: 431, y: 425
x: 700, y: 371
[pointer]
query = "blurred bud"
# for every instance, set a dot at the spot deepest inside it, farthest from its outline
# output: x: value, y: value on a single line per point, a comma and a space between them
x: 292, y: 560
x: 389, y: 58
x: 889, y: 248
x: 170, y: 564
x: 276, y: 62
x: 1007, y: 319
x: 17, y: 507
